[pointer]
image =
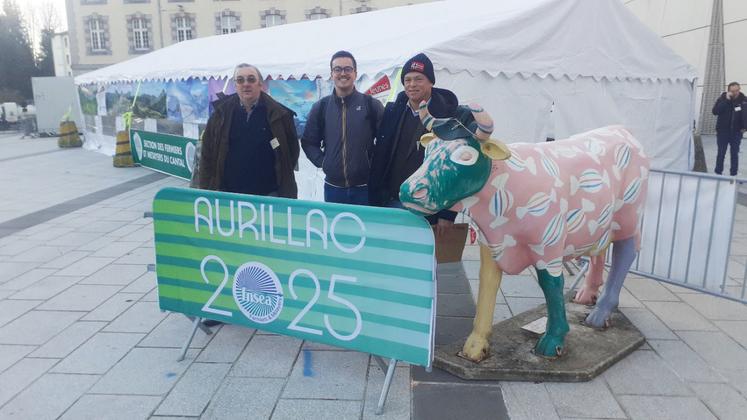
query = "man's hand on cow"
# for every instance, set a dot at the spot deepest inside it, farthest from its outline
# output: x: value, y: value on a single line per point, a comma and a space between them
x: 443, y: 225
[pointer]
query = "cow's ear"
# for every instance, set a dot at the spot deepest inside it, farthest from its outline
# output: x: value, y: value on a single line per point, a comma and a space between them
x: 427, y: 138
x: 495, y: 150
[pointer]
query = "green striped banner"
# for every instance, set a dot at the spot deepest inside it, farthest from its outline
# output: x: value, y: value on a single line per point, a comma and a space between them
x: 355, y: 277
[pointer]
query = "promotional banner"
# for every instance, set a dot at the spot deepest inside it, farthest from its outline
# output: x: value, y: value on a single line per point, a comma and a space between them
x: 173, y: 155
x: 355, y: 277
x: 88, y: 103
x: 298, y: 95
x: 380, y: 90
x: 119, y: 98
x: 150, y: 101
x: 187, y: 101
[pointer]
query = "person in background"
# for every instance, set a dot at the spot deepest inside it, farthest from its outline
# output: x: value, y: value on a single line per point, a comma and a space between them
x: 730, y: 124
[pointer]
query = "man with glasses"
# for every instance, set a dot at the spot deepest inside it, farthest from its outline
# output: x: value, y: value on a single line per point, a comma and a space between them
x: 250, y: 144
x: 398, y: 153
x: 339, y: 134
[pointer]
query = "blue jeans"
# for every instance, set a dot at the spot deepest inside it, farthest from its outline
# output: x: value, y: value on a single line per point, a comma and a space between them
x: 352, y: 195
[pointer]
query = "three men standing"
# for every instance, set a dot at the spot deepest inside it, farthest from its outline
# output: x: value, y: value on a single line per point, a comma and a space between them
x: 730, y: 124
x: 339, y: 134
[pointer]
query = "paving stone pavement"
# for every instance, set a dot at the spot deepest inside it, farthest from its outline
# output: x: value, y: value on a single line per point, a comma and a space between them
x: 81, y: 335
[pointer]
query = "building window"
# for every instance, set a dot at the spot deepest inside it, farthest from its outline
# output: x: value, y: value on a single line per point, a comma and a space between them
x: 227, y: 22
x: 95, y: 28
x: 272, y: 17
x: 317, y: 13
x: 183, y: 29
x: 182, y: 26
x: 362, y: 9
x: 140, y: 34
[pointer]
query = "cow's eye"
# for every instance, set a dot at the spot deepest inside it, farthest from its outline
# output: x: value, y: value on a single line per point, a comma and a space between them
x: 464, y: 155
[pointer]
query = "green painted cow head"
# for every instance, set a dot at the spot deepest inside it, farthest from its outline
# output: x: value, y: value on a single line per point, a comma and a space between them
x: 458, y: 160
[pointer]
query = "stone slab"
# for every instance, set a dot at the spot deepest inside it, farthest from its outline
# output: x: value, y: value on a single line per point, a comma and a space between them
x: 193, y: 392
x: 48, y: 397
x: 255, y: 397
x: 587, y: 354
x: 317, y: 410
x: 112, y: 407
x: 437, y: 401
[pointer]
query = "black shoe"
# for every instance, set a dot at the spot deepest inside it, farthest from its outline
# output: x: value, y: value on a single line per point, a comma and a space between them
x: 211, y: 323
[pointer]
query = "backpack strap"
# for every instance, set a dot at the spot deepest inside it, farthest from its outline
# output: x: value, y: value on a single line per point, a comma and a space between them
x: 321, y: 116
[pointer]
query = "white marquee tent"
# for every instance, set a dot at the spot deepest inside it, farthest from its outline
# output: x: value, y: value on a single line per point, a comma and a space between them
x: 540, y: 67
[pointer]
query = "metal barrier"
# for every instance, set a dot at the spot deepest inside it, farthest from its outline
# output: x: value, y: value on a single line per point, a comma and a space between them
x: 688, y: 229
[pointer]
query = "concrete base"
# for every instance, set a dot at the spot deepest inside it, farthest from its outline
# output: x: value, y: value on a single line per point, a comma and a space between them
x: 588, y: 352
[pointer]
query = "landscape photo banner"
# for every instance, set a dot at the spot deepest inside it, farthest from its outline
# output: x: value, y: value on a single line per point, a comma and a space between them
x: 173, y: 155
x: 354, y: 277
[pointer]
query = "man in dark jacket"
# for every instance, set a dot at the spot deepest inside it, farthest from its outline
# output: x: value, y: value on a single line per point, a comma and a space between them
x: 339, y: 134
x: 250, y: 144
x: 398, y: 153
x: 729, y: 126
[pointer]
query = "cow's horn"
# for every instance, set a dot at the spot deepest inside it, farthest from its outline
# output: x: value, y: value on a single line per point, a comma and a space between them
x: 493, y: 149
x: 425, y: 116
x: 484, y: 122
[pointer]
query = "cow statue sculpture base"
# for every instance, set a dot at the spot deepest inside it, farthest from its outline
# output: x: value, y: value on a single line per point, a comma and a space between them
x: 588, y: 351
x: 535, y: 205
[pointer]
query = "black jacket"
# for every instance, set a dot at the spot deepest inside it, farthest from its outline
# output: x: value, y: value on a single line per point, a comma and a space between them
x: 443, y: 104
x: 729, y: 119
x: 215, y: 144
x: 343, y: 149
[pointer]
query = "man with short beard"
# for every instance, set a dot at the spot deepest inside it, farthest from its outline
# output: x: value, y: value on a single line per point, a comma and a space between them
x: 339, y: 134
x: 398, y: 153
x: 730, y: 125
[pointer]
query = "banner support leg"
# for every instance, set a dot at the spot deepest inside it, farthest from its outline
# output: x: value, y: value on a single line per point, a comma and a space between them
x: 195, y: 324
x: 385, y: 388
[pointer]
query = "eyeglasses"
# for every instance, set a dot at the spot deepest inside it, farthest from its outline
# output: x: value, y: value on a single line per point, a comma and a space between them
x: 241, y: 80
x: 339, y: 70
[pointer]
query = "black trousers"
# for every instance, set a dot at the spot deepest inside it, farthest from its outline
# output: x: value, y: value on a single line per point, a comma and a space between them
x: 733, y: 141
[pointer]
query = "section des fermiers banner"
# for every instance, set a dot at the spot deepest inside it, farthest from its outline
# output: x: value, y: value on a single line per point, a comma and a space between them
x: 355, y: 277
x: 173, y: 155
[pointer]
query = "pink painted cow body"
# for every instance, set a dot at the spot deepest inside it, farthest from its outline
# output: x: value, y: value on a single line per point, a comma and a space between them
x: 555, y: 201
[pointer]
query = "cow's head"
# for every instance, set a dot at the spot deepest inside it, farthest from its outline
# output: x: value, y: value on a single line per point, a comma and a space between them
x: 458, y: 159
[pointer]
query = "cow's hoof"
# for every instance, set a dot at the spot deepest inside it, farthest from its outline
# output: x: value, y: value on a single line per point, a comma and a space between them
x: 550, y: 346
x: 585, y: 297
x: 475, y: 349
x: 598, y: 320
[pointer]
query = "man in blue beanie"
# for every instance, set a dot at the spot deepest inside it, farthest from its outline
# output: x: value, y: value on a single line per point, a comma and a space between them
x: 398, y: 153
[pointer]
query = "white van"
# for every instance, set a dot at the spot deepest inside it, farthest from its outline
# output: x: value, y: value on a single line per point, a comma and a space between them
x: 11, y: 111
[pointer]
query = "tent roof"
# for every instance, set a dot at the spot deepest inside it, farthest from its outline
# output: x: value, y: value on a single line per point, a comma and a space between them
x: 548, y: 38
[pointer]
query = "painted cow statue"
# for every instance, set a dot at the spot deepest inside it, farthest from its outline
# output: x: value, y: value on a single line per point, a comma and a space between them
x: 535, y: 205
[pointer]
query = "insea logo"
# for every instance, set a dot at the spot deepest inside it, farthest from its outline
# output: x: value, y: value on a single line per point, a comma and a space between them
x: 257, y: 292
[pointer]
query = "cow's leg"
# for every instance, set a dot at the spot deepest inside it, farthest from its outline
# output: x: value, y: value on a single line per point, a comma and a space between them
x: 551, y: 343
x: 587, y: 294
x: 623, y: 254
x: 476, y: 347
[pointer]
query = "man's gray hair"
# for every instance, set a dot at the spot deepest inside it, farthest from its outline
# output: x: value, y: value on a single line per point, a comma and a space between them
x: 245, y: 65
